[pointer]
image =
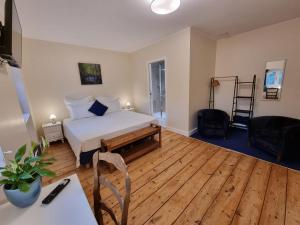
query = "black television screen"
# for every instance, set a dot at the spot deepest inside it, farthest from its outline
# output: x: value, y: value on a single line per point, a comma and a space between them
x: 11, y: 36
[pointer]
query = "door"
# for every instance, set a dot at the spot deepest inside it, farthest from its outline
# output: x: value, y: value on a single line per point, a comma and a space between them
x: 158, y: 91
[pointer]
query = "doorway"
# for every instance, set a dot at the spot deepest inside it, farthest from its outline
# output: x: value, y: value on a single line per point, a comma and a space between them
x: 158, y: 91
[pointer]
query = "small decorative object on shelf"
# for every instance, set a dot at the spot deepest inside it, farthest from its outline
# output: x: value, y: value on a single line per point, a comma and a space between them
x: 53, y: 132
x: 22, y: 176
x: 52, y: 117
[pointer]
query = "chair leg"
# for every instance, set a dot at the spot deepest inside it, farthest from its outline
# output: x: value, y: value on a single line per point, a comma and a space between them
x: 159, y: 137
x: 279, y: 157
x: 249, y: 143
x: 99, y: 218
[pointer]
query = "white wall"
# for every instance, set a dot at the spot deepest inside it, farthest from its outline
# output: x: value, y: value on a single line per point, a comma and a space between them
x: 2, y: 3
x: 202, y: 67
x: 13, y: 131
x: 175, y: 49
x: 51, y: 72
x: 246, y: 54
x: 12, y: 127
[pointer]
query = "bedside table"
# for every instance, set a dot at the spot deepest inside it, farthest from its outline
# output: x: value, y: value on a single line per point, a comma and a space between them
x: 53, y: 132
x: 129, y: 109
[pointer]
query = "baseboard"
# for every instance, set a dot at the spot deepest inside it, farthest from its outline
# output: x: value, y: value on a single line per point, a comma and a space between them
x: 183, y: 132
x: 193, y: 131
x: 178, y: 131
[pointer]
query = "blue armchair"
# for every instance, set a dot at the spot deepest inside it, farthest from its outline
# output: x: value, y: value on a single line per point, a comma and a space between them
x: 213, y: 123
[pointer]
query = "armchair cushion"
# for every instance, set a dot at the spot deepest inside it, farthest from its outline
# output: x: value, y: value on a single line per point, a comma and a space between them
x: 213, y: 122
x: 277, y: 135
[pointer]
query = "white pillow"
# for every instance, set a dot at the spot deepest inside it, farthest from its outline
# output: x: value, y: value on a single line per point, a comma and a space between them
x: 79, y: 111
x: 112, y: 103
x: 77, y: 101
x: 105, y: 98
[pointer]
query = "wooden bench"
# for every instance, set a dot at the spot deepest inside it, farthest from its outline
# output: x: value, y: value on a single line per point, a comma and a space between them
x: 132, y: 139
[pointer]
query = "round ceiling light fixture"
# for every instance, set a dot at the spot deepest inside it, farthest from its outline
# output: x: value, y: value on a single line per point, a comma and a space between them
x: 163, y: 7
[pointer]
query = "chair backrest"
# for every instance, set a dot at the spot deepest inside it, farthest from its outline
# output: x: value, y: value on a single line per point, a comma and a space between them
x: 213, y: 114
x: 100, y: 180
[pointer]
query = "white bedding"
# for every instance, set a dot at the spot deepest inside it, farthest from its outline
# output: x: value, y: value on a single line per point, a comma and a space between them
x: 86, y: 134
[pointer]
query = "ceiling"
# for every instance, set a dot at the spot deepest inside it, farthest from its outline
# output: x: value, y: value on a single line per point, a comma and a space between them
x: 128, y: 25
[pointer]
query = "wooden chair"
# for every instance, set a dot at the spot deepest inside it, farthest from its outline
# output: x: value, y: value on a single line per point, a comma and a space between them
x: 99, y: 180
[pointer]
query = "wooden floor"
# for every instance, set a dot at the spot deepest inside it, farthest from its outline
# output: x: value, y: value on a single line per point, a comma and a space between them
x: 192, y: 182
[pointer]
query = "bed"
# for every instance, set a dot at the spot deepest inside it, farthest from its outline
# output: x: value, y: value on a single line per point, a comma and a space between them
x: 84, y: 135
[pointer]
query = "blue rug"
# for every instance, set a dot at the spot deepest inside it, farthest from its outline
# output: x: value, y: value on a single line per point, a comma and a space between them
x: 238, y: 140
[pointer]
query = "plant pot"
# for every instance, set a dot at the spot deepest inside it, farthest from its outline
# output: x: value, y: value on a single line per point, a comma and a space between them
x: 24, y: 199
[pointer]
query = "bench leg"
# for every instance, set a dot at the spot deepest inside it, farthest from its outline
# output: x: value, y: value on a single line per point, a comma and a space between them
x: 159, y: 136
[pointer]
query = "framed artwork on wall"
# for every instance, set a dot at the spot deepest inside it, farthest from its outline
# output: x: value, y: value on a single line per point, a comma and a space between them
x: 90, y: 73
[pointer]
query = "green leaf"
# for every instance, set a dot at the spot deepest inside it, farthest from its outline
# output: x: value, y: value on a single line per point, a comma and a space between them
x: 33, y: 159
x: 20, y: 153
x: 45, y: 173
x: 6, y: 173
x: 5, y: 181
x: 23, y: 186
x: 25, y: 176
x: 14, y: 166
x: 33, y: 147
x: 45, y: 143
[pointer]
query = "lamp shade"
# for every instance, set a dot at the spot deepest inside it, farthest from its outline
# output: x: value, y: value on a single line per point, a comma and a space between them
x: 164, y: 6
x: 52, y: 116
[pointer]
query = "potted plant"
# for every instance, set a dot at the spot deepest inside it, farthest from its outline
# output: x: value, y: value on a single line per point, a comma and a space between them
x: 22, y: 176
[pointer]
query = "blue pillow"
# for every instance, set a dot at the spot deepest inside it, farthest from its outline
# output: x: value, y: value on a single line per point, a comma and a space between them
x: 98, y: 108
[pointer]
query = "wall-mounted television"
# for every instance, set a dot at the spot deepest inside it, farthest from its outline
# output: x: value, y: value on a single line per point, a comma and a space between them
x: 11, y: 36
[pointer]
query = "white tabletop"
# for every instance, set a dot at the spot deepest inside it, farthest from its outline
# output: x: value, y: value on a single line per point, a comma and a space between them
x: 69, y: 207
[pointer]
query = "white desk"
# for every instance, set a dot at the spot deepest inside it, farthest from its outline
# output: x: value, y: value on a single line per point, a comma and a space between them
x: 70, y: 207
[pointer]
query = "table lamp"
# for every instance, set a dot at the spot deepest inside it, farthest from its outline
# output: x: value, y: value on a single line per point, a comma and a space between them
x: 52, y: 117
x: 128, y: 105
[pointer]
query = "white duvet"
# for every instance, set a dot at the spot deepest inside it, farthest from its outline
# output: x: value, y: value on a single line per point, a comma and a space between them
x: 85, y: 134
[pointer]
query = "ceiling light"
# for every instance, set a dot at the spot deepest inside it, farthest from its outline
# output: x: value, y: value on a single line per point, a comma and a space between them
x: 164, y: 6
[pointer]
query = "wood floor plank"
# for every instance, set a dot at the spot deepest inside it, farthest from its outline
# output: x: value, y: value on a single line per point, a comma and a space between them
x: 137, y: 171
x: 293, y: 198
x: 199, y: 205
x: 170, y: 185
x: 168, y: 213
x: 186, y: 165
x: 141, y: 165
x: 273, y: 211
x: 150, y: 175
x: 159, y: 198
x: 251, y: 203
x: 138, y: 182
x: 223, y: 208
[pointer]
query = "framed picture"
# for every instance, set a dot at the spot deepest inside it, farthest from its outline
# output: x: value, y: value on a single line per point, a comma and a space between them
x: 90, y: 73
